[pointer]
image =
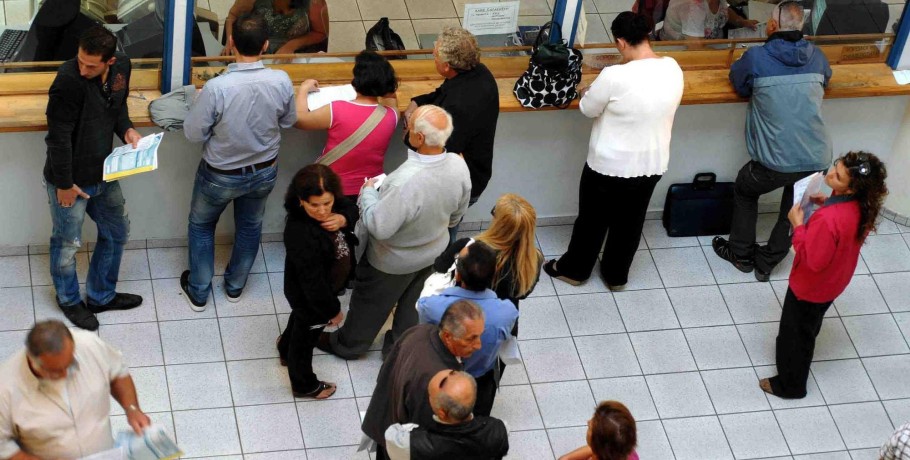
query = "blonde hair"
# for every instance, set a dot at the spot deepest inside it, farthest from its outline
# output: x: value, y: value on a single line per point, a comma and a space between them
x: 458, y: 48
x: 511, y: 235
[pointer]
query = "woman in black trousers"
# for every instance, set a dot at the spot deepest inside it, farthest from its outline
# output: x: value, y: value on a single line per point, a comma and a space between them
x: 319, y: 245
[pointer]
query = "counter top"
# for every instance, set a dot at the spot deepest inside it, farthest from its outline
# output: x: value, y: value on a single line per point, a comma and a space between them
x: 25, y: 112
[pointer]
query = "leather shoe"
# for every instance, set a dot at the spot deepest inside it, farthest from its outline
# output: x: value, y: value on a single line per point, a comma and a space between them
x: 81, y: 316
x: 121, y: 301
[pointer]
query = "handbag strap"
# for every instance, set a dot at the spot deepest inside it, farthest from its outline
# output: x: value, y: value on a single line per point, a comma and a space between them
x: 549, y: 27
x: 355, y: 138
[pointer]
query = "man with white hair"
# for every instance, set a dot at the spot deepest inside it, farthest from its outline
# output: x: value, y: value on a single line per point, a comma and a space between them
x: 407, y: 221
x: 785, y: 135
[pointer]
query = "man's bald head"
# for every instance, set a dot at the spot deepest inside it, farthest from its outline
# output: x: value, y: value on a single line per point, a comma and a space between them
x: 434, y: 123
x: 452, y: 395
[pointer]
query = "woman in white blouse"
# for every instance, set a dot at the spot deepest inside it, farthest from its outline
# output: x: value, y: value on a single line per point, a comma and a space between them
x: 633, y: 106
x: 700, y: 19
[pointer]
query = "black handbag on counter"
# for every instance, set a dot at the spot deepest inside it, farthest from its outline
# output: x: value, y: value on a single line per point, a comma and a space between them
x: 381, y: 37
x: 553, y: 74
x: 704, y: 207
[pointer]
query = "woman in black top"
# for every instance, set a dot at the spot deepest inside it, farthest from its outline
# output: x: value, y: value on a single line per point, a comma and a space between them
x: 319, y: 244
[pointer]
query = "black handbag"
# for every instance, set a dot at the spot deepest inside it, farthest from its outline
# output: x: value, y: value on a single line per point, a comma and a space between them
x: 554, y: 72
x: 703, y: 207
x: 381, y: 37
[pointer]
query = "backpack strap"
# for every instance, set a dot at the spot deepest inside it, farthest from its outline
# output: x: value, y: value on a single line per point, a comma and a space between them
x: 355, y: 138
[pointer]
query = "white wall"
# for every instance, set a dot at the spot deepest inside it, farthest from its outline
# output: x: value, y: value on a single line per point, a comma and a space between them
x: 538, y: 155
x: 898, y: 163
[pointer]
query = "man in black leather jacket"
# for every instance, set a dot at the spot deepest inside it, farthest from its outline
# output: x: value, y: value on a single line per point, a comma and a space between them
x: 455, y: 431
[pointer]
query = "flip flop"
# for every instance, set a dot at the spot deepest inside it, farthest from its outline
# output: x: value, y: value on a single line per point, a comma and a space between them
x: 765, y: 385
x: 318, y: 392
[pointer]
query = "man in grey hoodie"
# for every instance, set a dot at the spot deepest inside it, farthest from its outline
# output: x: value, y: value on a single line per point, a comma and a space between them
x: 785, y: 135
x: 407, y: 221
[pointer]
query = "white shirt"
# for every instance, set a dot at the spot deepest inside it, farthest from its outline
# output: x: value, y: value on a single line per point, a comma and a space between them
x: 60, y: 419
x: 693, y: 18
x: 633, y: 105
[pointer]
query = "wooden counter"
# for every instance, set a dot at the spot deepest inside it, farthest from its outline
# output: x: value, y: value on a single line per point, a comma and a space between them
x: 706, y: 82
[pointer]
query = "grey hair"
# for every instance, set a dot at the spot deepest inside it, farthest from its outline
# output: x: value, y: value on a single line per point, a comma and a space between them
x: 47, y: 337
x: 458, y: 48
x: 790, y: 17
x: 435, y: 136
x: 456, y: 410
x: 454, y: 317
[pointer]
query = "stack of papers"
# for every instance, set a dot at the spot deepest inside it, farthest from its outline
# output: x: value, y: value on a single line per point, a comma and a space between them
x: 126, y: 161
x: 328, y: 94
x: 154, y: 444
x: 902, y: 76
x: 803, y: 191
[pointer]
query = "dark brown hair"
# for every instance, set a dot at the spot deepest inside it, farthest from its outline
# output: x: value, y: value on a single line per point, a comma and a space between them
x: 613, y: 434
x: 312, y: 180
x: 867, y: 180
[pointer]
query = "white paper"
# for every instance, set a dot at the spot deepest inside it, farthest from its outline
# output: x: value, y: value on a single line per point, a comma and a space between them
x: 745, y: 32
x: 582, y: 29
x: 902, y: 77
x: 379, y: 180
x: 126, y: 160
x: 761, y: 11
x: 508, y: 351
x: 803, y: 190
x: 154, y: 444
x: 491, y: 18
x: 328, y: 94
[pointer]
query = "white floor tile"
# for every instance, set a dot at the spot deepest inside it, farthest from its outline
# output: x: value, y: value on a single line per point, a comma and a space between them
x: 329, y: 423
x: 680, y: 395
x: 259, y: 381
x: 652, y: 440
x: 564, y: 404
x: 269, y: 428
x: 191, y: 341
x: 662, y: 351
x: 199, y: 386
x: 151, y: 386
x: 11, y: 342
x: 554, y: 240
x: 833, y: 342
x: 139, y: 342
x: 699, y: 306
x: 207, y: 432
x: 249, y: 337
x: 633, y: 392
x: 895, y: 288
x: 861, y: 297
x: 567, y: 439
x: 759, y: 339
x: 14, y: 271
x: 898, y: 411
x: 751, y: 302
x: 171, y: 305
x: 809, y: 430
x: 718, y: 347
x: 551, y: 360
x: 735, y: 390
x: 646, y: 310
x: 697, y: 438
x: 657, y: 238
x: 18, y: 309
x: 754, y: 435
x: 886, y: 253
x: 599, y: 363
x: 256, y: 298
x: 589, y: 314
x: 517, y: 406
x: 862, y: 425
x: 529, y: 444
x: 875, y: 335
x: 542, y: 318
x: 363, y: 373
x: 337, y: 453
x: 843, y: 381
x: 643, y: 273
x: 889, y: 375
x: 682, y: 267
x: 273, y: 255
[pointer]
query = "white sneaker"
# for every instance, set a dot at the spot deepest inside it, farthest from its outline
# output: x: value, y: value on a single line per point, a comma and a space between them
x: 233, y: 299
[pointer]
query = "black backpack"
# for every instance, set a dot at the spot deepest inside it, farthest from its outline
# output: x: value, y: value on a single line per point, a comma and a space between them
x: 381, y: 37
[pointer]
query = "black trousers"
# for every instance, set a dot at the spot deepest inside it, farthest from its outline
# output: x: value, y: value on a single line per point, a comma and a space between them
x: 486, y: 392
x: 800, y: 323
x: 753, y: 181
x: 296, y: 348
x: 616, y: 204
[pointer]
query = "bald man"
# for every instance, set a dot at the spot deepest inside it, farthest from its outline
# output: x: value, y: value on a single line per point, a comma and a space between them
x: 407, y: 222
x: 456, y: 432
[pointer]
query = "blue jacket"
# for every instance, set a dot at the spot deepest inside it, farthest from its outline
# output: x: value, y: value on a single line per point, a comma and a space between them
x: 499, y: 317
x: 786, y: 79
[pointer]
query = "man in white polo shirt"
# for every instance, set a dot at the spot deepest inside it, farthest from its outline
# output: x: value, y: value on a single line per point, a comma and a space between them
x: 55, y: 395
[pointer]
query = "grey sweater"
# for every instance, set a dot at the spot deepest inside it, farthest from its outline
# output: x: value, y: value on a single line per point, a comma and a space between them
x: 408, y: 220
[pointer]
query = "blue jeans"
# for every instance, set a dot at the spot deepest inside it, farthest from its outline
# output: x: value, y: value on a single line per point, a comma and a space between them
x: 106, y: 208
x: 211, y: 194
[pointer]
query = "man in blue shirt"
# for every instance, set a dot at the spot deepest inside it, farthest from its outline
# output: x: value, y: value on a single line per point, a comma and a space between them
x: 239, y: 116
x: 474, y: 270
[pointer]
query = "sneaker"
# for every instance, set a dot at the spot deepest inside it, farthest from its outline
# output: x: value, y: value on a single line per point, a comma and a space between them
x: 184, y: 286
x: 121, y: 301
x: 81, y: 316
x: 550, y: 269
x: 724, y: 251
x: 233, y: 298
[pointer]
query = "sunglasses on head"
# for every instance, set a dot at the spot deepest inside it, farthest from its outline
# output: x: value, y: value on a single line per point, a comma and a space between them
x: 862, y: 167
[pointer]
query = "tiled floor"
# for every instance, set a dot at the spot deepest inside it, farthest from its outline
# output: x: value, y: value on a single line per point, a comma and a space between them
x: 683, y: 347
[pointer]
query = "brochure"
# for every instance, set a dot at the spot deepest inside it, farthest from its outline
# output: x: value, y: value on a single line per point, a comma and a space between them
x: 328, y: 94
x: 126, y: 161
x: 154, y: 444
x: 803, y: 191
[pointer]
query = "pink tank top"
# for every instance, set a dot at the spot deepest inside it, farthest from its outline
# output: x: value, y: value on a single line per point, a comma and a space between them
x: 365, y: 160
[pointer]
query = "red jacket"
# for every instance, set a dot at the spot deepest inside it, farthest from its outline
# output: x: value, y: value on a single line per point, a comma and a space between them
x: 827, y: 251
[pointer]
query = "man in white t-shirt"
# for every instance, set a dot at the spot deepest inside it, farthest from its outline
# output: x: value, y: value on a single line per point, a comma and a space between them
x: 700, y: 19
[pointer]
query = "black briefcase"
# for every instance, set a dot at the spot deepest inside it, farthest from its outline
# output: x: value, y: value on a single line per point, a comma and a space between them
x: 704, y: 207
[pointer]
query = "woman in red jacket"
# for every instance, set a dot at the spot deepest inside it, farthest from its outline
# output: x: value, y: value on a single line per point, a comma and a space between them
x: 827, y: 250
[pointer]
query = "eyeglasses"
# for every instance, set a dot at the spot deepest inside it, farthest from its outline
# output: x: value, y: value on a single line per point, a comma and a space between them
x: 493, y: 211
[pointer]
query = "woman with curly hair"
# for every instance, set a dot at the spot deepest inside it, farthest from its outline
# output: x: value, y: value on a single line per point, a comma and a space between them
x: 611, y: 435
x: 827, y: 250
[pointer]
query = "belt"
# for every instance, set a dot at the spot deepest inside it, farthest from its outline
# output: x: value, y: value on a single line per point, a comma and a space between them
x: 240, y: 171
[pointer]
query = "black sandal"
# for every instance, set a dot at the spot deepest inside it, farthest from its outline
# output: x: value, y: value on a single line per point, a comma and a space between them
x: 323, y: 386
x: 550, y: 269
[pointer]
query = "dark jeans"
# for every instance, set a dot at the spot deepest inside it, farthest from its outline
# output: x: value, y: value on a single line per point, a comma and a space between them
x: 212, y: 192
x: 800, y: 323
x: 753, y: 181
x: 296, y: 348
x: 375, y: 294
x: 611, y: 203
x: 106, y: 208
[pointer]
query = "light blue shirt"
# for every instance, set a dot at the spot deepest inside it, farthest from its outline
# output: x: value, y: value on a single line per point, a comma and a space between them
x: 239, y: 115
x: 499, y: 318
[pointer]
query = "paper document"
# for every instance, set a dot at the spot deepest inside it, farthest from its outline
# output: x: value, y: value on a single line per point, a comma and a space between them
x: 154, y: 444
x: 491, y: 18
x: 328, y: 94
x: 902, y: 76
x: 761, y: 11
x: 126, y: 160
x: 745, y: 32
x: 379, y: 180
x: 803, y: 191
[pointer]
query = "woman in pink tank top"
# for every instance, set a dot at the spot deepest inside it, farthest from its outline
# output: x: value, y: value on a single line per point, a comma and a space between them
x: 611, y: 435
x: 374, y: 79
